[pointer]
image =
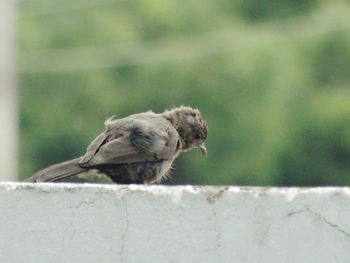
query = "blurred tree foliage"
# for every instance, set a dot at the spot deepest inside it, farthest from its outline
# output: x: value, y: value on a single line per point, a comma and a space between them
x: 272, y: 79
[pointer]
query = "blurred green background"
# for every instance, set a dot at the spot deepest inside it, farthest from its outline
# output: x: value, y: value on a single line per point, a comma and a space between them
x: 272, y: 78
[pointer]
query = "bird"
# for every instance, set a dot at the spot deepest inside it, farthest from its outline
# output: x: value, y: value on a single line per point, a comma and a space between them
x: 137, y: 149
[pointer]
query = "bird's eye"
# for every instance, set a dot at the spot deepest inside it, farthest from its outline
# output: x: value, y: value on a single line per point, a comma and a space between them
x: 198, y: 136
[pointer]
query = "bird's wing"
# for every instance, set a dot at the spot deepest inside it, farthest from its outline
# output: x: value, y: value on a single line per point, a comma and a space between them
x: 94, y: 147
x: 146, y: 139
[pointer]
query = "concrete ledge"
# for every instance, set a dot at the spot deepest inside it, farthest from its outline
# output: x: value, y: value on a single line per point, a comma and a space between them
x: 113, y: 223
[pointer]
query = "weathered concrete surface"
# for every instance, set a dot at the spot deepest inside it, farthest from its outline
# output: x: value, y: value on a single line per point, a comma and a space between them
x: 96, y: 223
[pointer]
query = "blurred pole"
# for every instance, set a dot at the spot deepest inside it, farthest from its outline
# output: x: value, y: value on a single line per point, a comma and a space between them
x: 8, y: 93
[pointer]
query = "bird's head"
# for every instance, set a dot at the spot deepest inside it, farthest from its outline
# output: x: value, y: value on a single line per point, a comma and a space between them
x: 190, y: 125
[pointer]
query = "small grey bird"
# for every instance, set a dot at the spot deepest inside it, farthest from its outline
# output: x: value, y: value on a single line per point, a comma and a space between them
x: 140, y: 148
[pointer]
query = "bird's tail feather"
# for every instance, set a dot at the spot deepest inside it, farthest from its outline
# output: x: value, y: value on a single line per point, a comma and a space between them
x: 57, y: 172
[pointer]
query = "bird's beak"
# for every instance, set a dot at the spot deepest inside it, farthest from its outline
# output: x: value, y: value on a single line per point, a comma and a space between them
x: 203, y: 149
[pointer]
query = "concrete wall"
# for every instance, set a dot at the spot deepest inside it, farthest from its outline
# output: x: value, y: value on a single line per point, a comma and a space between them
x: 96, y: 223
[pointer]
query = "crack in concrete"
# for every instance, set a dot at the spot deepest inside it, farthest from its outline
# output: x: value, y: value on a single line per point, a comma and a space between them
x: 87, y: 203
x: 264, y: 235
x: 321, y: 217
x: 293, y: 213
x: 69, y: 226
x: 125, y: 232
x: 325, y: 220
x: 217, y: 228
